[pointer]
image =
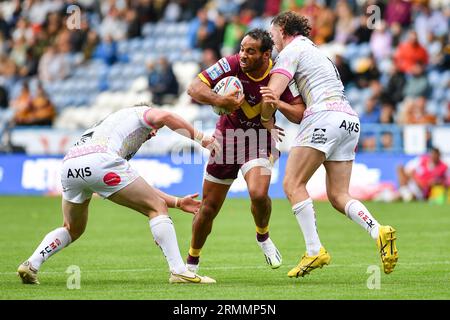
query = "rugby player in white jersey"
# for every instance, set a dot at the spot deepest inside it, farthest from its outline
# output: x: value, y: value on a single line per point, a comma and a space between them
x: 98, y: 162
x: 328, y: 135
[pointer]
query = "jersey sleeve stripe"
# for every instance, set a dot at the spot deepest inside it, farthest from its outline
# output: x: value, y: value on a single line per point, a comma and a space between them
x: 284, y: 72
x: 151, y: 125
x: 203, y: 78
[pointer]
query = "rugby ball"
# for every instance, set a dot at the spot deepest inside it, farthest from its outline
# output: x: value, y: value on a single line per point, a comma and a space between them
x: 225, y: 87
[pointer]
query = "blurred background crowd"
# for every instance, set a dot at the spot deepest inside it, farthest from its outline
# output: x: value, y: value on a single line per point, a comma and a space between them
x: 67, y: 67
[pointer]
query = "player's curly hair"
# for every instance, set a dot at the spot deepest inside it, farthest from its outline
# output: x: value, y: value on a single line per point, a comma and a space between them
x: 264, y: 36
x: 292, y: 24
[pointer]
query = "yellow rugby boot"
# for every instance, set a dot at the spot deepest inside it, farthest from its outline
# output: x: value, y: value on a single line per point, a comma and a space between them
x: 309, y: 263
x: 388, y: 250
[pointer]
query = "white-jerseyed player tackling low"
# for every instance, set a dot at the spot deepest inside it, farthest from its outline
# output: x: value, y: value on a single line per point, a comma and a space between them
x: 98, y: 163
x: 328, y: 135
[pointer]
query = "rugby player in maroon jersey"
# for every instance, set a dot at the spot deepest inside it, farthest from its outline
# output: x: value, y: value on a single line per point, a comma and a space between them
x: 246, y: 145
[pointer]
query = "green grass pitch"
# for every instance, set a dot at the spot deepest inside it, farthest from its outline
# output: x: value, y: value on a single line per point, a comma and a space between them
x: 119, y: 260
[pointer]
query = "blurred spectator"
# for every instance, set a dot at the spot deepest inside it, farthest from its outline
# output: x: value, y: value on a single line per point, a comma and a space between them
x: 172, y: 12
x: 430, y: 21
x: 40, y: 112
x: 324, y: 26
x: 200, y: 24
x: 435, y: 49
x: 8, y: 68
x: 419, y: 175
x: 362, y: 33
x: 410, y: 53
x: 30, y: 66
x: 371, y: 111
x: 346, y: 23
x: 78, y: 37
x: 393, y: 92
x: 229, y: 8
x: 53, y: 66
x: 209, y: 57
x: 416, y: 83
x: 146, y: 11
x: 234, y: 31
x: 134, y: 27
x: 381, y: 42
x: 366, y: 72
x: 272, y: 8
x: 4, y: 97
x: 4, y: 27
x: 387, y: 141
x: 447, y: 113
x: 107, y: 51
x: 344, y: 70
x: 387, y: 112
x: 215, y: 39
x: 23, y: 100
x: 414, y: 112
x: 398, y: 11
x: 90, y: 45
x: 162, y: 82
x: 113, y: 26
x: 22, y: 31
x: 396, y: 33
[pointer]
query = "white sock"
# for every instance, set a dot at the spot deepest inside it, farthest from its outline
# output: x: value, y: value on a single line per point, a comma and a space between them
x: 165, y: 237
x: 358, y: 213
x: 306, y: 218
x: 52, y: 243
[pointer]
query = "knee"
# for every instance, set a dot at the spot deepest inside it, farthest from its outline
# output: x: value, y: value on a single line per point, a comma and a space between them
x: 337, y: 200
x: 258, y: 195
x: 156, y: 207
x: 290, y: 185
x: 208, y: 211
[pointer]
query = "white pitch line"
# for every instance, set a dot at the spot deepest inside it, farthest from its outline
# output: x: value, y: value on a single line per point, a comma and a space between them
x: 403, y: 265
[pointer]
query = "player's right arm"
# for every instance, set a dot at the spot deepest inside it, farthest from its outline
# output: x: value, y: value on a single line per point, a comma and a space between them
x: 202, y: 93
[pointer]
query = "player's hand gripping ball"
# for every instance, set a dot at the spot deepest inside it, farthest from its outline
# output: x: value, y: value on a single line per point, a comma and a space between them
x: 227, y: 86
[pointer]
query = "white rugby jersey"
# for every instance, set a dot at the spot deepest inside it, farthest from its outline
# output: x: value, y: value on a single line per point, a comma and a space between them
x: 122, y: 133
x: 315, y: 75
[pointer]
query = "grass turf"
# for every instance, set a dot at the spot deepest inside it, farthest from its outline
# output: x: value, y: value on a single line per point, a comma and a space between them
x: 119, y: 260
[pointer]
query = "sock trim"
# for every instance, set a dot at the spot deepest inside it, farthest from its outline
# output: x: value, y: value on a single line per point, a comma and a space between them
x: 194, y: 252
x: 348, y: 205
x: 300, y: 205
x: 262, y: 230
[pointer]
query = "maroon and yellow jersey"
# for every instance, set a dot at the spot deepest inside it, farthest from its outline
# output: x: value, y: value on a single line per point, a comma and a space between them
x: 248, y: 116
x: 236, y: 148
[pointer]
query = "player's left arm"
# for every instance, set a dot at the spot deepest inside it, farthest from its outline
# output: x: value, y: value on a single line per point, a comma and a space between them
x: 157, y: 119
x: 187, y: 203
x: 278, y: 83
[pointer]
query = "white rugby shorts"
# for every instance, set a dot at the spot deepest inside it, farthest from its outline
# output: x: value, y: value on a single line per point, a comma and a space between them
x: 102, y: 173
x: 334, y: 133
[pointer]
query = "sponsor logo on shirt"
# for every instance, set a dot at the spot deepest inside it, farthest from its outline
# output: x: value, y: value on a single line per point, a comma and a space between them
x: 214, y: 71
x: 319, y: 136
x: 225, y: 65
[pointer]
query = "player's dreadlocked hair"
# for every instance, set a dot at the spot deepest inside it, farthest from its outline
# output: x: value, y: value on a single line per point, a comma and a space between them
x: 264, y: 36
x: 292, y: 24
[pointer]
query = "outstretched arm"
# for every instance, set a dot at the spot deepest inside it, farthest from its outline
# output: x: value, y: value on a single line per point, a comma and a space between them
x: 187, y: 203
x: 160, y: 118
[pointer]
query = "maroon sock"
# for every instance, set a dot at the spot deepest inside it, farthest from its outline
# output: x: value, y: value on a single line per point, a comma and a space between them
x: 262, y: 237
x: 192, y: 260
